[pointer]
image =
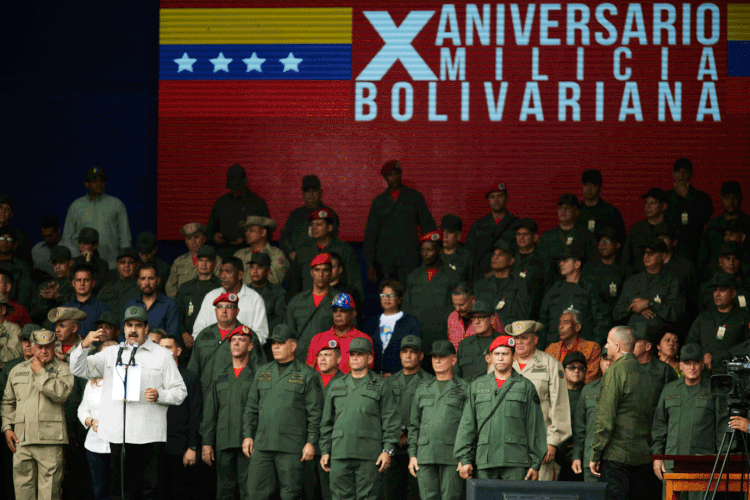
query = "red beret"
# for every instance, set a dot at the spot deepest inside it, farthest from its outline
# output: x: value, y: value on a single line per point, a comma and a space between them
x: 502, y: 341
x: 321, y: 258
x: 390, y: 165
x: 241, y: 330
x: 431, y: 236
x: 227, y: 297
x: 319, y: 214
x: 496, y: 188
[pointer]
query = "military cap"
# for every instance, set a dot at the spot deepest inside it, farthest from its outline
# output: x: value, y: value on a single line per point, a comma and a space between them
x: 606, y: 232
x: 731, y: 248
x: 431, y: 236
x: 146, y: 242
x: 236, y: 177
x: 658, y: 193
x: 6, y: 199
x: 241, y: 330
x: 361, y: 345
x: 310, y: 181
x: 656, y: 244
x: 60, y: 253
x: 389, y: 166
x: 519, y: 327
x: 227, y: 297
x: 206, y: 251
x: 731, y: 187
x: 28, y: 329
x: 573, y: 252
x: 259, y: 220
x: 481, y: 308
x: 95, y: 173
x: 573, y: 357
x: 137, y: 313
x: 321, y: 258
x: 502, y: 341
x: 723, y: 280
x: 65, y: 313
x: 192, y: 228
x: 451, y: 222
x: 591, y: 176
x: 320, y: 213
x: 411, y: 341
x: 503, y: 245
x: 88, y: 235
x: 42, y: 337
x: 568, y: 199
x: 498, y: 187
x: 128, y: 252
x: 108, y: 317
x: 282, y: 333
x: 736, y: 226
x: 443, y: 348
x: 344, y: 301
x: 641, y: 331
x: 332, y: 344
x: 683, y: 163
x: 4, y: 301
x: 691, y: 352
x: 527, y: 223
x: 260, y: 258
x: 664, y: 229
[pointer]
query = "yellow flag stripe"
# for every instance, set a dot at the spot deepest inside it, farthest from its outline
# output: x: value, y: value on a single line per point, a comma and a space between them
x: 738, y: 21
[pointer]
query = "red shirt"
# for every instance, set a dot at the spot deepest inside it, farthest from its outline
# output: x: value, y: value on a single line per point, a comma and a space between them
x: 500, y: 383
x: 326, y: 378
x: 522, y: 366
x: 395, y: 193
x: 457, y: 332
x: 323, y: 338
x: 195, y: 261
x: 237, y: 372
x: 66, y: 348
x: 497, y: 221
x: 317, y: 298
x: 20, y: 315
x: 224, y: 333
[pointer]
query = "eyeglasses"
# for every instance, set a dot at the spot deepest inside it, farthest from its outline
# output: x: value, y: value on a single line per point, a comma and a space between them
x: 575, y: 368
x: 9, y: 239
x: 388, y: 295
x: 226, y: 306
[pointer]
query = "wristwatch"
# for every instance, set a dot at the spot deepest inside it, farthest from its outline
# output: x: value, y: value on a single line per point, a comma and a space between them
x: 390, y: 452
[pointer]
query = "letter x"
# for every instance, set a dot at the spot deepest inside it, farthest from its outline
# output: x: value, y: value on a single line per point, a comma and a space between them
x: 398, y: 46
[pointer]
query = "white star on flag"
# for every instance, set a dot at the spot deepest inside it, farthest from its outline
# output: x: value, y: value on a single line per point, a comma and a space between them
x: 221, y: 63
x: 185, y: 63
x: 253, y: 63
x: 290, y: 63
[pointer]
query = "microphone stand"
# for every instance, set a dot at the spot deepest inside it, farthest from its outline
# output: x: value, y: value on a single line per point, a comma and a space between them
x: 124, y: 410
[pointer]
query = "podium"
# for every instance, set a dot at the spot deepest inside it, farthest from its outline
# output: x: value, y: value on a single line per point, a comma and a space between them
x: 692, y: 473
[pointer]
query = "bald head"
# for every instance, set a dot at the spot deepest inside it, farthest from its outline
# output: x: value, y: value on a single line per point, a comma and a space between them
x: 624, y: 336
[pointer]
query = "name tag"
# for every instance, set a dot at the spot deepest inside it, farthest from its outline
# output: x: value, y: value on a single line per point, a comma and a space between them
x: 264, y: 377
x: 613, y: 289
x: 569, y: 241
x: 592, y: 225
x: 522, y: 274
x: 684, y: 218
x: 742, y: 301
x: 657, y: 300
x: 720, y: 332
x: 500, y: 304
x: 190, y: 308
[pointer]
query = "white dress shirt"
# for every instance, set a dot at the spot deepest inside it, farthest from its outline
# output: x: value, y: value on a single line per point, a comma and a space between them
x: 146, y: 421
x: 89, y: 407
x: 252, y: 312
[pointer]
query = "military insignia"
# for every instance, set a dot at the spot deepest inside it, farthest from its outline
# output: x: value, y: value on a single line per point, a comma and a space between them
x: 511, y: 342
x: 245, y: 330
x: 296, y: 376
x: 518, y: 327
x: 435, y: 237
x: 296, y: 381
x: 373, y: 385
x: 58, y: 313
x: 191, y: 228
x: 43, y: 337
x: 333, y: 344
x: 323, y: 214
x: 561, y: 374
x: 501, y: 186
x: 264, y: 377
x: 133, y: 310
x: 232, y: 297
x: 657, y: 299
x: 452, y: 266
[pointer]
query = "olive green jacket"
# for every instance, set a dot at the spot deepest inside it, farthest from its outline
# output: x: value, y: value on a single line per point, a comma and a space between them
x: 359, y: 420
x: 403, y: 390
x: 623, y: 414
x: 298, y: 313
x: 514, y: 435
x: 283, y: 410
x: 584, y: 417
x: 470, y: 357
x: 434, y: 420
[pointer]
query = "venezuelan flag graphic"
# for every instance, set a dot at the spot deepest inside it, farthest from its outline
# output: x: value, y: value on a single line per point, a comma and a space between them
x: 738, y: 58
x: 243, y: 62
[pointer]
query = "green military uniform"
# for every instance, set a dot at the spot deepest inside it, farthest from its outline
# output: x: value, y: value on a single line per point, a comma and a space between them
x: 189, y: 298
x: 632, y: 252
x: 296, y: 231
x: 274, y: 299
x: 470, y: 362
x: 580, y: 296
x: 279, y: 263
x: 209, y: 347
x: 323, y: 477
x: 34, y: 408
x: 10, y: 345
x: 437, y: 407
x: 623, y: 417
x: 483, y: 235
x: 530, y: 269
x: 660, y: 374
x: 282, y: 414
x: 717, y: 332
x: 302, y: 279
x: 224, y: 401
x: 706, y: 294
x: 360, y: 420
x: 430, y: 301
x: 665, y: 299
x: 599, y: 216
x: 684, y: 271
x: 689, y: 215
x: 584, y: 418
x: 41, y: 306
x: 553, y: 244
x: 713, y: 239
x: 461, y: 262
x: 513, y: 439
x: 183, y: 270
x: 307, y: 320
x: 508, y: 296
x: 607, y: 280
x: 117, y: 293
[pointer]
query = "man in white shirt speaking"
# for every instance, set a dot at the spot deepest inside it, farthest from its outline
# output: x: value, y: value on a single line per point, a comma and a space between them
x: 159, y: 384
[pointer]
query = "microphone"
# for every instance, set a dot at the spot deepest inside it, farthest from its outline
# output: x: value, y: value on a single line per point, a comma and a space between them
x: 132, y: 354
x: 119, y: 353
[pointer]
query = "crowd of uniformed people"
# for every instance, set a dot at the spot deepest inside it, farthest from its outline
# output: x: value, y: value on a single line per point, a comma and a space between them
x: 572, y: 355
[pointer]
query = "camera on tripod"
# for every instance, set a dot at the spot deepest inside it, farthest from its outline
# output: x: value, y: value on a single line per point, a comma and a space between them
x: 734, y: 385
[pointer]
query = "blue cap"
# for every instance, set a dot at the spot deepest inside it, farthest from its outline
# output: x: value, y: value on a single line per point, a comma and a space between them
x: 344, y: 301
